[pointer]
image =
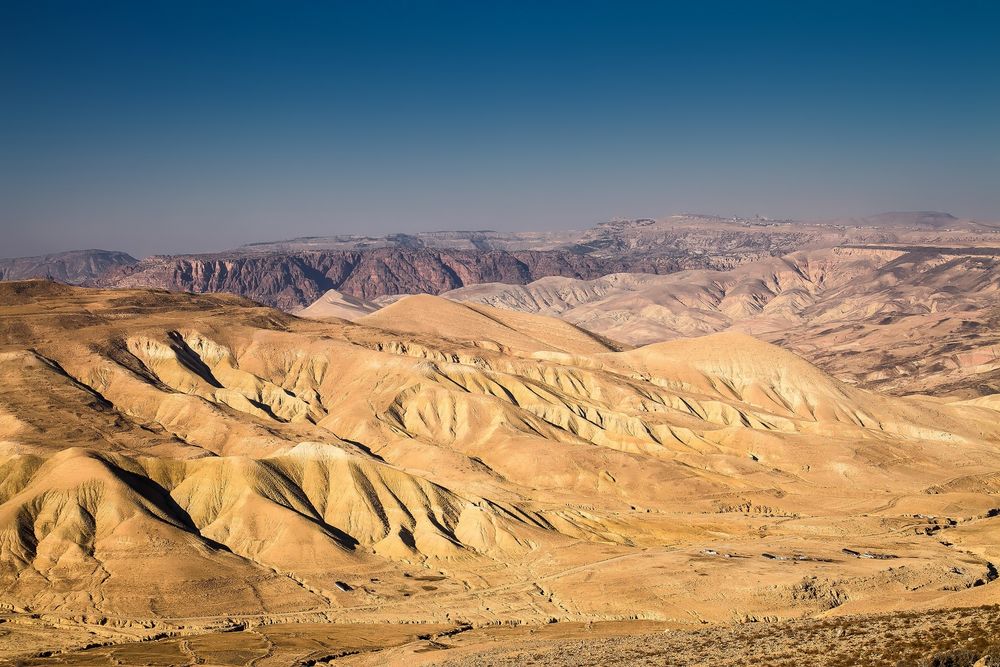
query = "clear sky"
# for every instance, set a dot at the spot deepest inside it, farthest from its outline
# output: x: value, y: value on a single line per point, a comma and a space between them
x: 170, y: 126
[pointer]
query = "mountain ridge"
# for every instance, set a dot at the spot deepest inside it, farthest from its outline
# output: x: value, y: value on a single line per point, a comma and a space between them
x: 74, y: 267
x: 293, y: 274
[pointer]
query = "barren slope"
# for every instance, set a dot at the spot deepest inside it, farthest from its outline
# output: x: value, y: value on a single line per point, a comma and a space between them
x: 337, y: 304
x: 902, y: 319
x: 182, y: 464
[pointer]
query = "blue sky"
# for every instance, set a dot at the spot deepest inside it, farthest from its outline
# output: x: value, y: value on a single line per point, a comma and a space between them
x: 169, y: 126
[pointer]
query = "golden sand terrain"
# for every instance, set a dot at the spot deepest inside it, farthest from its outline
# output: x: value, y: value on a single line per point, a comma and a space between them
x: 198, y: 478
x: 337, y: 304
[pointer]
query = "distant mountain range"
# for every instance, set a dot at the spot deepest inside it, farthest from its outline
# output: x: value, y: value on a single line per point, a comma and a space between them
x: 294, y: 280
x: 74, y: 268
x: 293, y: 274
x: 916, y: 220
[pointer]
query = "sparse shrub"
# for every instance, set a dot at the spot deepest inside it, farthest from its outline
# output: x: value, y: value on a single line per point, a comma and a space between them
x: 957, y: 658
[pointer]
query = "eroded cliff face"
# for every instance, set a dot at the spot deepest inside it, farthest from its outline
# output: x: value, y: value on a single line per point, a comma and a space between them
x: 293, y: 274
x: 290, y: 277
x: 295, y: 280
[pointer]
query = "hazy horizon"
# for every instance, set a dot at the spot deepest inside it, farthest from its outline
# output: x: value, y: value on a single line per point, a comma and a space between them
x: 174, y: 127
x: 464, y: 229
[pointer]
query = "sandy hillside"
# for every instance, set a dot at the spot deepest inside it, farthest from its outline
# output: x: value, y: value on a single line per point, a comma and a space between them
x: 899, y: 319
x: 174, y: 465
x: 337, y: 304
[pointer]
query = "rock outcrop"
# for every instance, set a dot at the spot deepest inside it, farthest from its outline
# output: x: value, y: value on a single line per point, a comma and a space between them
x: 295, y: 280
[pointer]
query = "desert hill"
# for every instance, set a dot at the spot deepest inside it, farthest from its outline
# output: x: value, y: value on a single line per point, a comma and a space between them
x: 642, y: 308
x: 245, y: 466
x: 903, y: 319
x: 510, y: 331
x: 337, y: 304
